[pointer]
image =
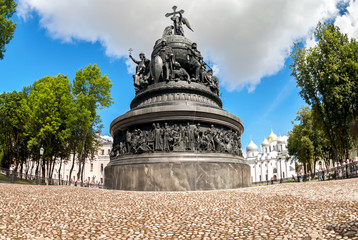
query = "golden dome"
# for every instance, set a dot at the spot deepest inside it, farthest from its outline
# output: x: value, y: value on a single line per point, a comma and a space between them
x: 272, y: 137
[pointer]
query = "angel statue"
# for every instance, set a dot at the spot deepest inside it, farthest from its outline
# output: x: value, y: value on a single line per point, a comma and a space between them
x: 178, y: 21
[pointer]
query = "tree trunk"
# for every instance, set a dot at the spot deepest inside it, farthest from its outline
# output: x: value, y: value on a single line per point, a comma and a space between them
x: 79, y: 168
x: 81, y: 155
x: 59, y: 172
x: 21, y: 168
x: 73, y: 165
x: 43, y: 166
x: 49, y: 167
x: 52, y: 168
x: 83, y: 167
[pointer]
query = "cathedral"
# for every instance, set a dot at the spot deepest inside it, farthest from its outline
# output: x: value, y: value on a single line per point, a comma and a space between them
x: 272, y: 162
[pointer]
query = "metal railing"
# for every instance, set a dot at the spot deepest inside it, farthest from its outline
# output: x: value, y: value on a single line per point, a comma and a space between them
x: 15, y: 177
x: 349, y: 170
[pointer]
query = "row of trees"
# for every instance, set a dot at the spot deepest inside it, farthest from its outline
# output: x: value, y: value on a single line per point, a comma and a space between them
x: 327, y: 75
x: 54, y: 115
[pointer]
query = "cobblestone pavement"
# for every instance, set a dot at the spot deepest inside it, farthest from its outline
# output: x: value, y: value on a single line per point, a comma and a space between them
x: 314, y: 210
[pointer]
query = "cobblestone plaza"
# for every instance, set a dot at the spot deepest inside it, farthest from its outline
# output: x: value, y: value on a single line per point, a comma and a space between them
x: 313, y: 210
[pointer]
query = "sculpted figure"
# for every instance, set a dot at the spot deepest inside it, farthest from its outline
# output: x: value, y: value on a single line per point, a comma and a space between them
x: 167, y: 56
x: 135, y: 140
x: 168, y: 31
x: 182, y: 139
x: 210, y: 80
x: 218, y: 140
x: 195, y: 60
x: 206, y: 142
x: 158, y: 146
x: 178, y: 21
x: 180, y: 73
x: 150, y: 138
x: 129, y: 141
x: 141, y: 78
x: 191, y: 138
x: 122, y: 148
x: 142, y: 142
x: 114, y: 151
x: 176, y: 137
x: 166, y: 137
x: 197, y: 133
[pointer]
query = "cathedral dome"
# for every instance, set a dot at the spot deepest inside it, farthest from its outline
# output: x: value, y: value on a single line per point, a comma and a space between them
x: 265, y: 143
x: 272, y: 137
x: 280, y: 139
x: 252, y: 147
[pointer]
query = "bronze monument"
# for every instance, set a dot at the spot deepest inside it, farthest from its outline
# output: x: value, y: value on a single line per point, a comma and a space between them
x: 176, y: 137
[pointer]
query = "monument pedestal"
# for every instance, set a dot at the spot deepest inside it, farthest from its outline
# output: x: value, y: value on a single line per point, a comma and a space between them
x: 177, y: 172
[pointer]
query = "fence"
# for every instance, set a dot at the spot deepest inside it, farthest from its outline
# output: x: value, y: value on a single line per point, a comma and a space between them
x: 14, y: 176
x: 346, y: 171
x: 349, y: 170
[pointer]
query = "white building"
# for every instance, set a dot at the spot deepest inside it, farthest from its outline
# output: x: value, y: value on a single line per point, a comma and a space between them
x: 272, y: 161
x: 94, y: 168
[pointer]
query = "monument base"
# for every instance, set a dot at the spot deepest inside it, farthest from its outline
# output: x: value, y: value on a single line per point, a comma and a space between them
x: 183, y: 172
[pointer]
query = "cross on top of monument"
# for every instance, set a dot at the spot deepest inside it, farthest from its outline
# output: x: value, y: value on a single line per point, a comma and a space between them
x: 174, y: 12
x: 178, y: 21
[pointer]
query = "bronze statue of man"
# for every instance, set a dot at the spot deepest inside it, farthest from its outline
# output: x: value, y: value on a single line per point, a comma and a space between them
x: 167, y: 56
x: 195, y: 60
x: 142, y: 71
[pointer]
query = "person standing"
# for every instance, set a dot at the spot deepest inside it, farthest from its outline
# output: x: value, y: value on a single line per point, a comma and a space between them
x: 12, y: 173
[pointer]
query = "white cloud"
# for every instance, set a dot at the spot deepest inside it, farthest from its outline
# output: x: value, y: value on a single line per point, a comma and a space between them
x: 348, y: 23
x: 247, y: 40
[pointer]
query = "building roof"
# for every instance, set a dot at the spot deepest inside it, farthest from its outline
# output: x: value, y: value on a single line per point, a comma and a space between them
x: 252, y: 147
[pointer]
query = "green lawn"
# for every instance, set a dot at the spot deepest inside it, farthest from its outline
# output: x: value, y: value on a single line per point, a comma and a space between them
x: 6, y: 179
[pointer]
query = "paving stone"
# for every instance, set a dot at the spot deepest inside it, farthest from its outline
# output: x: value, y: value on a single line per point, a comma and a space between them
x: 313, y: 210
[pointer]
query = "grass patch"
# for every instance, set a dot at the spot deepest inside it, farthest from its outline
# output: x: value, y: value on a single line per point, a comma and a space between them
x: 6, y: 179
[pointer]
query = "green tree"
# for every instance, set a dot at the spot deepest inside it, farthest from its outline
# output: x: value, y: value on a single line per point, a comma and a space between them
x: 50, y: 106
x: 7, y: 26
x: 307, y: 141
x: 92, y: 91
x: 326, y: 74
x: 13, y: 140
x: 300, y: 146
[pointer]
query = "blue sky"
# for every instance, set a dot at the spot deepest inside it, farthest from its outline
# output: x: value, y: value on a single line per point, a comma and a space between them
x: 255, y: 85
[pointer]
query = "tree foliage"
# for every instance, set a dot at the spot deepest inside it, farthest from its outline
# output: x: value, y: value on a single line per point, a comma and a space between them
x: 51, y: 108
x: 13, y: 119
x: 53, y: 114
x: 91, y: 91
x: 306, y: 140
x: 7, y: 26
x: 327, y: 76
